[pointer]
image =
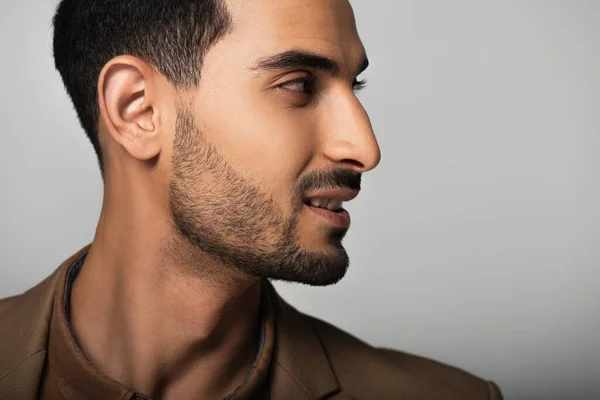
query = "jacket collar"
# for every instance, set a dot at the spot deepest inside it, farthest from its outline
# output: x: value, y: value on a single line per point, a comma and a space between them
x: 300, y: 369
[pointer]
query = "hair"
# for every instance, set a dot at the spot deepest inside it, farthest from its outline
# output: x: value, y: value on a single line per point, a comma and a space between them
x: 171, y: 35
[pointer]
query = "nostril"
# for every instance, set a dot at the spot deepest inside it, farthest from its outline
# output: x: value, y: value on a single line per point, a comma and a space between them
x: 354, y: 164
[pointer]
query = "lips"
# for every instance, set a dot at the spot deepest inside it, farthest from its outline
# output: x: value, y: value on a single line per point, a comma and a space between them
x: 331, y: 199
x: 339, y: 218
x: 328, y: 204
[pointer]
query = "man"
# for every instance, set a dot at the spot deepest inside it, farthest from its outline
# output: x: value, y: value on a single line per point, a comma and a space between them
x: 228, y: 135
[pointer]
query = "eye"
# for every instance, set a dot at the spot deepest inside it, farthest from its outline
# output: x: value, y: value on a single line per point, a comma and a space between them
x: 300, y: 85
x: 358, y: 84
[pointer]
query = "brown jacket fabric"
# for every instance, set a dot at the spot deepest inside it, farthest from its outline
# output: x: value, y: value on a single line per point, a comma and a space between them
x: 311, y: 359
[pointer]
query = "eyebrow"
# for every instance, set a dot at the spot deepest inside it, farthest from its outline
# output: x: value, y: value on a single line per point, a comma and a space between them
x: 303, y: 59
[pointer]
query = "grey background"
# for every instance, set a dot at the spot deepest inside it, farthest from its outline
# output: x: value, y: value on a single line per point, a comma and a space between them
x: 474, y: 242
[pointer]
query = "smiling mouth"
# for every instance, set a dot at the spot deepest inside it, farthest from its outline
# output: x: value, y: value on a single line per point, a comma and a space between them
x: 332, y: 205
x: 339, y: 217
x: 327, y: 205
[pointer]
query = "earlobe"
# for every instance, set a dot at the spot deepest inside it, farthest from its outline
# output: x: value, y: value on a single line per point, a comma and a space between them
x: 127, y: 107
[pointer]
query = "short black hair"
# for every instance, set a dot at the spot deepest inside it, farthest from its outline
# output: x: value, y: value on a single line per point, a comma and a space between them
x: 171, y: 35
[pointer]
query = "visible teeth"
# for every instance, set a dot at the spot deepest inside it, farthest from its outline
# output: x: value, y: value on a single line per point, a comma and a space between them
x: 331, y: 205
x: 318, y: 202
x: 334, y: 205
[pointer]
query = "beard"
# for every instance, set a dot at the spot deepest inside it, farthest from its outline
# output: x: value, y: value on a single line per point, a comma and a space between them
x: 224, y: 215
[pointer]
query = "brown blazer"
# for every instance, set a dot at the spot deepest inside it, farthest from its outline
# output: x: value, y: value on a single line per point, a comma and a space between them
x: 312, y: 359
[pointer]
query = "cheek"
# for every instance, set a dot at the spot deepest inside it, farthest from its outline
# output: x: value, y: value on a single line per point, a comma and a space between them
x: 268, y: 142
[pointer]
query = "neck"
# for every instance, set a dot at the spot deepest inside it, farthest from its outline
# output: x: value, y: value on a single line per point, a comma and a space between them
x: 151, y: 321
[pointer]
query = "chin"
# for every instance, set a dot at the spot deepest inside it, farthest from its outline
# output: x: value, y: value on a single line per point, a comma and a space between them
x: 316, y: 268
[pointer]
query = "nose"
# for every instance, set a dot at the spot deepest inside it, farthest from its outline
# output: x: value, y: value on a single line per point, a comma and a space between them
x: 350, y: 137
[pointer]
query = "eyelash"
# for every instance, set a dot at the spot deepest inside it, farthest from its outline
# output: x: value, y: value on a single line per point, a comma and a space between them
x: 310, y: 81
x: 359, y: 85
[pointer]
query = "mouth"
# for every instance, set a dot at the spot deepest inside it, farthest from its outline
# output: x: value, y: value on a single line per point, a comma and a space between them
x: 333, y: 205
x: 330, y: 210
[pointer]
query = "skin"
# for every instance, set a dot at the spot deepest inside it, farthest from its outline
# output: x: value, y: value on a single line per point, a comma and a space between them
x: 204, y: 196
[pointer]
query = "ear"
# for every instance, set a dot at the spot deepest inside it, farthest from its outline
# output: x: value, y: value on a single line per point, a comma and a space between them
x: 128, y: 108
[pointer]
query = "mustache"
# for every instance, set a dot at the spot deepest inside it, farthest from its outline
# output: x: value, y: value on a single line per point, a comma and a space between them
x: 339, y: 178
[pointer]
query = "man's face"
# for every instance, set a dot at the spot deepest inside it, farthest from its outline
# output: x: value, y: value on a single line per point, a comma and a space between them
x: 272, y: 126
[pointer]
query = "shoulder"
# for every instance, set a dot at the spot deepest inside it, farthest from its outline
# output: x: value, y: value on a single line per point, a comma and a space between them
x: 28, y: 302
x: 35, y: 302
x: 29, y: 307
x: 5, y: 304
x: 369, y: 371
x: 24, y: 322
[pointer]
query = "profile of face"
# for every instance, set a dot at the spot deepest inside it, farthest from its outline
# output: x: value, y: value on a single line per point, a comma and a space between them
x: 273, y: 129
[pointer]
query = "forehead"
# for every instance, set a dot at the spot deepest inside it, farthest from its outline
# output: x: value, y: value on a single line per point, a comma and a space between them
x: 325, y: 27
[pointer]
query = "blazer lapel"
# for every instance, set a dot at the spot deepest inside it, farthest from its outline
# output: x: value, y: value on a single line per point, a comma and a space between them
x: 25, y: 326
x: 301, y: 368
